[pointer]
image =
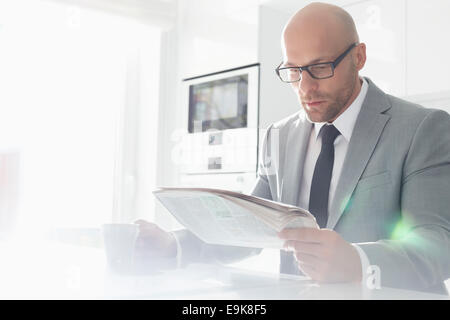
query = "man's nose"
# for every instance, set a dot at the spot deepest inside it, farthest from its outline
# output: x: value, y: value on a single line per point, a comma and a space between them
x: 307, y: 84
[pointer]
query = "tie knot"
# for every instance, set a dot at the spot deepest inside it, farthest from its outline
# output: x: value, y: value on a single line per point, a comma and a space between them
x: 329, y: 134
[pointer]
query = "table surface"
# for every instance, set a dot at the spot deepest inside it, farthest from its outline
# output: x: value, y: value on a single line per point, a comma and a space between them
x: 48, y: 270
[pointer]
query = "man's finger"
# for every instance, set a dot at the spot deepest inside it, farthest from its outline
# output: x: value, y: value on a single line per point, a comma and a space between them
x: 141, y: 222
x: 302, y: 234
x: 307, y: 269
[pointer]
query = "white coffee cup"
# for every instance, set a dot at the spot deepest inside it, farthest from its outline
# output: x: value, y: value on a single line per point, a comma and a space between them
x: 119, y: 241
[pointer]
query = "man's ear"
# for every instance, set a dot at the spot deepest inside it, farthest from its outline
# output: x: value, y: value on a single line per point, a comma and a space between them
x: 360, y: 56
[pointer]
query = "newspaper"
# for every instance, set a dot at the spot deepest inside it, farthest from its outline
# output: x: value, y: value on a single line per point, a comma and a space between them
x: 231, y: 218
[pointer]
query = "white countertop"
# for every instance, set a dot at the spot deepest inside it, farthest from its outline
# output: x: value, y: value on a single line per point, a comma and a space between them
x: 46, y: 270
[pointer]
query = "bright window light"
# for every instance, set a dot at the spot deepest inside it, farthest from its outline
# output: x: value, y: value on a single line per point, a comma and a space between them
x: 66, y: 76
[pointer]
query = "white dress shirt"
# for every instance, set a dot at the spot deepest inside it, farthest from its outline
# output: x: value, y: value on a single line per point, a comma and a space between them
x: 345, y: 124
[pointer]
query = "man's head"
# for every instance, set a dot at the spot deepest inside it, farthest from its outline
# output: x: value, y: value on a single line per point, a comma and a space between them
x: 320, y: 33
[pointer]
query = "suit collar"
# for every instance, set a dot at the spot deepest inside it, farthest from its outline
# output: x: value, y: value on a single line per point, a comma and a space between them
x: 366, y: 133
x: 376, y: 99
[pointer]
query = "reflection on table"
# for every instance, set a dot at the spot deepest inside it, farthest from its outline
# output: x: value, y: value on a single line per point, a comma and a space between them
x: 50, y: 270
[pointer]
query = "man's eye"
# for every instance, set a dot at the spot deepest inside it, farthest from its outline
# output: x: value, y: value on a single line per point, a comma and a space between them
x: 318, y: 68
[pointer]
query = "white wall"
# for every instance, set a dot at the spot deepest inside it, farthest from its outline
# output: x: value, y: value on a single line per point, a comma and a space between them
x: 216, y: 35
x: 277, y: 100
x: 381, y: 26
x: 427, y: 46
x: 160, y: 13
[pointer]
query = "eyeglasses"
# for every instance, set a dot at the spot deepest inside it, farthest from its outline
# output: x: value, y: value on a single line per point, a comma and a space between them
x: 322, y: 70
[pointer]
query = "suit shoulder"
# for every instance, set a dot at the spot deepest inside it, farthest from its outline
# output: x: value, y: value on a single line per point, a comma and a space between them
x: 414, y: 113
x: 288, y: 121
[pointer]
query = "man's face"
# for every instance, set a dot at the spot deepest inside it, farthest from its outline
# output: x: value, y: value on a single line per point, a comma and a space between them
x: 322, y: 99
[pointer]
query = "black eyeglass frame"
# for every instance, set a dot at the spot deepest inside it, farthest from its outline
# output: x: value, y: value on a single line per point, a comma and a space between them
x: 333, y: 64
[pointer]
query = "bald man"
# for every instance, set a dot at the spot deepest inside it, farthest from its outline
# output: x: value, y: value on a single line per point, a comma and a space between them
x: 373, y: 169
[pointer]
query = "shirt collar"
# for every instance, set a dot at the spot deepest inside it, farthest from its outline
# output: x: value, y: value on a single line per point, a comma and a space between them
x: 346, y: 121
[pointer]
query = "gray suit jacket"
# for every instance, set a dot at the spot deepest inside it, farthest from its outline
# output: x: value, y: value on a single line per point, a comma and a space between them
x: 392, y: 198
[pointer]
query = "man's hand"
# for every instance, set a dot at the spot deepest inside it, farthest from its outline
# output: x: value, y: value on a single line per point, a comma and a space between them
x: 153, y: 242
x: 323, y: 254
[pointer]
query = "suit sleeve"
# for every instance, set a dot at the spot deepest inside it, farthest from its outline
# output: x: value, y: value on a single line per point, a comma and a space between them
x: 261, y: 187
x: 191, y: 249
x: 418, y: 255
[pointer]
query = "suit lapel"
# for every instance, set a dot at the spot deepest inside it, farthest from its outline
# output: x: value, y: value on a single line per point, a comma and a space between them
x: 296, y: 146
x: 368, y: 128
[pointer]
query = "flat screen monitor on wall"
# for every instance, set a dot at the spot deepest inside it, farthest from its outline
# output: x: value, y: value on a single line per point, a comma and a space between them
x: 219, y: 104
x: 220, y: 101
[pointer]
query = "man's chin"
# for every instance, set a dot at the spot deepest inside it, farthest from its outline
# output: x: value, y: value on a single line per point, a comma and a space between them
x: 315, y: 117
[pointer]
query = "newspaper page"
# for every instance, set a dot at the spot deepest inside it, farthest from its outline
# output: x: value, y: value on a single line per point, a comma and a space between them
x: 219, y: 218
x: 268, y: 203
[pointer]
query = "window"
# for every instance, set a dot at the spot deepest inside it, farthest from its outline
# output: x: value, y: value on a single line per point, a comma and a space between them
x: 79, y: 89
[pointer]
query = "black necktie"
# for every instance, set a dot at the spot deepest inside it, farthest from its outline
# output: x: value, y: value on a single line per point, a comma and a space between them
x: 320, y: 186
